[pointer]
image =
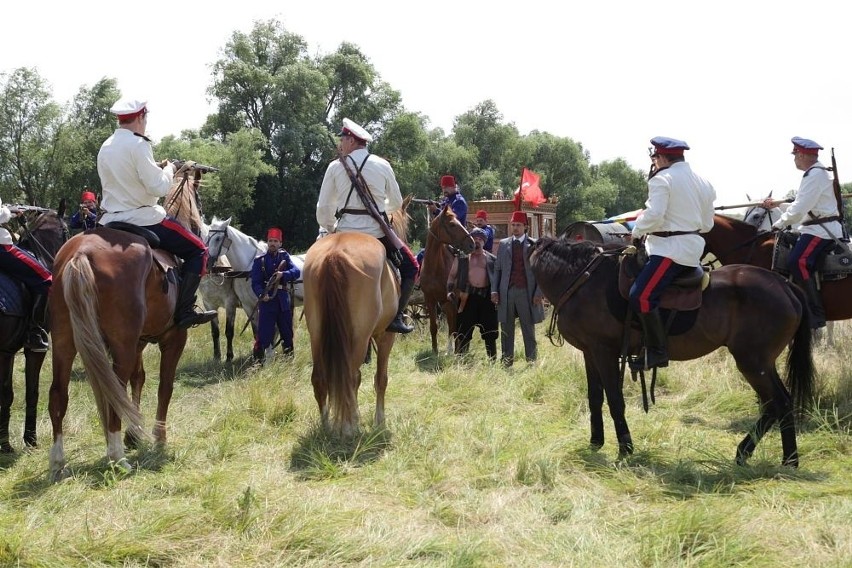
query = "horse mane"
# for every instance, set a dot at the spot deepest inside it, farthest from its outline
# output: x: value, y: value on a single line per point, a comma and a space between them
x: 563, y: 255
x: 182, y: 202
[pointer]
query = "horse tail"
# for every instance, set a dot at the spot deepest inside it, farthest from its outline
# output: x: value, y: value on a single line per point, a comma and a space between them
x: 336, y: 338
x: 81, y: 297
x: 800, y: 364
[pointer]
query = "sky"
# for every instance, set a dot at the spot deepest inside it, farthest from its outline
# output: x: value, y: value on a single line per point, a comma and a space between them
x: 734, y: 79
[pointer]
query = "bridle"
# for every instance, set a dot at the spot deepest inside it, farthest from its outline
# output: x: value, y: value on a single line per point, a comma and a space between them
x: 442, y: 222
x: 224, y: 244
x: 38, y: 248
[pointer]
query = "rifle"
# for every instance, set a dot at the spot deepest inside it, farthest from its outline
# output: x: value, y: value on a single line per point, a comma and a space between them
x: 837, y: 195
x: 363, y: 191
x: 271, y: 285
x: 424, y: 201
x: 26, y: 208
x: 760, y: 203
x: 200, y: 167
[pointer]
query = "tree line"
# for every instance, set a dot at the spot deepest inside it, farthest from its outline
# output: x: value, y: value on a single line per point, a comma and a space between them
x: 277, y: 109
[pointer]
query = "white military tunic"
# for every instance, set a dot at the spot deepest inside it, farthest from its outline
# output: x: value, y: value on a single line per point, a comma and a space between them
x: 816, y: 194
x: 132, y: 182
x: 335, y: 188
x: 678, y: 200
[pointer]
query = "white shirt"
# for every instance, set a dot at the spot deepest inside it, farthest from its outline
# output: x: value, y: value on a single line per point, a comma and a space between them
x: 816, y: 194
x: 678, y: 200
x: 132, y: 182
x: 5, y: 216
x: 335, y: 188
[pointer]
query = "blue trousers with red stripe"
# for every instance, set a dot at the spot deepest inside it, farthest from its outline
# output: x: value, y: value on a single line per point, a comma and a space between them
x: 23, y: 266
x: 657, y: 273
x: 803, y: 257
x: 178, y: 240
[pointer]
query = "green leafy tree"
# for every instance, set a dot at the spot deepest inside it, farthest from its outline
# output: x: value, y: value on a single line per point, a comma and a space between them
x: 30, y: 124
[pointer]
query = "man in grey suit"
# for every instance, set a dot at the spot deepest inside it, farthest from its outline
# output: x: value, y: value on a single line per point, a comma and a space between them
x: 515, y: 292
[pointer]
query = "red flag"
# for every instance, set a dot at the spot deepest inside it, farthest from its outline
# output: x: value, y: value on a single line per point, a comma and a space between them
x: 530, y: 191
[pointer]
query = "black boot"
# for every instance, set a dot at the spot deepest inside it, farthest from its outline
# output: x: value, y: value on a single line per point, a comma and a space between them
x: 656, y: 354
x: 185, y: 314
x: 814, y: 303
x: 405, y: 290
x: 36, y: 334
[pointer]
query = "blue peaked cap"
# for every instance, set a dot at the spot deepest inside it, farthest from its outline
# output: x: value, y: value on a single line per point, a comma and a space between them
x: 665, y: 145
x: 809, y: 146
x: 477, y: 232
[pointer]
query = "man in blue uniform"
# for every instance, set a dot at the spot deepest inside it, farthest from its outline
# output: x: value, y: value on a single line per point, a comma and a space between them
x: 679, y: 207
x: 87, y: 217
x: 269, y: 276
x: 815, y: 209
x: 23, y: 266
x: 132, y: 184
x: 452, y: 198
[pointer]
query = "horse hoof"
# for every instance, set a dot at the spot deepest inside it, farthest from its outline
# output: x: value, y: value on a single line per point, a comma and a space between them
x: 596, y: 445
x: 122, y: 465
x: 60, y: 475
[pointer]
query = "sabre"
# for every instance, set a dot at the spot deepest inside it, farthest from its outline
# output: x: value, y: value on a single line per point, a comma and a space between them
x: 271, y: 285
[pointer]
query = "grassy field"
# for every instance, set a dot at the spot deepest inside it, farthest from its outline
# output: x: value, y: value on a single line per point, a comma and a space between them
x: 479, y: 466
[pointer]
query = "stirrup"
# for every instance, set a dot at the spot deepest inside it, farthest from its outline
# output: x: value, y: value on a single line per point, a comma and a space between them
x: 398, y: 326
x: 36, y: 341
x: 193, y: 318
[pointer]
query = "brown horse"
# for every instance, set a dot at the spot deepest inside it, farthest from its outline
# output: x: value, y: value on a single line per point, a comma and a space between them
x: 733, y: 241
x: 112, y: 295
x: 351, y: 295
x: 44, y: 235
x: 582, y: 282
x: 445, y: 229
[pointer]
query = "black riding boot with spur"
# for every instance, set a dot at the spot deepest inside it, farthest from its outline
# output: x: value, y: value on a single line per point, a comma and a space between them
x: 656, y: 354
x: 406, y: 287
x: 36, y: 333
x: 185, y: 312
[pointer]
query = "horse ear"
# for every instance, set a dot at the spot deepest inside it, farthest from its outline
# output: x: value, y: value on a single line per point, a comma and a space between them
x: 227, y: 221
x: 62, y: 204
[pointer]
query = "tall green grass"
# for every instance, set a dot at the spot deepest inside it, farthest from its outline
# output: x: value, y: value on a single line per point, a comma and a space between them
x: 478, y: 466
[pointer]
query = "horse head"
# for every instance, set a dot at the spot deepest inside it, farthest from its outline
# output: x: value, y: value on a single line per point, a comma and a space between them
x: 447, y: 229
x: 45, y: 235
x: 218, y: 242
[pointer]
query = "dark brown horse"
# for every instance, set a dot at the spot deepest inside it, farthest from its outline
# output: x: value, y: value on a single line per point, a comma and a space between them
x: 112, y: 295
x: 445, y: 230
x: 581, y: 282
x: 44, y: 235
x: 351, y: 295
x: 733, y: 241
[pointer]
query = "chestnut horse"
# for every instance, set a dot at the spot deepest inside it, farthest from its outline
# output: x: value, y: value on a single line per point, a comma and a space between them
x: 112, y: 295
x: 351, y: 295
x: 445, y: 229
x: 733, y: 241
x: 44, y: 235
x: 581, y: 281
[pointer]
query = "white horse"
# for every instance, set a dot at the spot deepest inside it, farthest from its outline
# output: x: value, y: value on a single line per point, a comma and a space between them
x: 241, y: 250
x: 761, y: 217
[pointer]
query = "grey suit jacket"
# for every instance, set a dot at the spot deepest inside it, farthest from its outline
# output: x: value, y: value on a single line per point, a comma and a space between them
x: 500, y: 281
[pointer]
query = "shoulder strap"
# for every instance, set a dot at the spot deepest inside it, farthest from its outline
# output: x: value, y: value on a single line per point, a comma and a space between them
x: 352, y: 186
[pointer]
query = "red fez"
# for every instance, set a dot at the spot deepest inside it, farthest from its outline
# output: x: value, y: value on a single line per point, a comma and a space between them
x: 448, y: 181
x: 519, y: 217
x: 482, y: 214
x: 88, y: 196
x: 275, y: 233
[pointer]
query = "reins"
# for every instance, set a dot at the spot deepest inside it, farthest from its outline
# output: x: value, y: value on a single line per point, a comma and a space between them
x: 579, y: 279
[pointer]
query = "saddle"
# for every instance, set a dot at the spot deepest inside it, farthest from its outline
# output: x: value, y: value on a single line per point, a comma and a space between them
x: 683, y: 294
x: 14, y: 297
x: 150, y: 236
x: 835, y: 263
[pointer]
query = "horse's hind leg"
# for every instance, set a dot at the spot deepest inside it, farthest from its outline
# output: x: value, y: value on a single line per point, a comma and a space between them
x: 137, y: 381
x: 63, y: 353
x: 33, y: 363
x: 214, y: 335
x: 383, y: 349
x: 595, y: 394
x: 320, y: 385
x: 7, y: 397
x: 171, y: 349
